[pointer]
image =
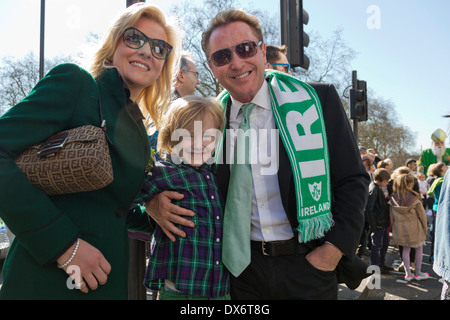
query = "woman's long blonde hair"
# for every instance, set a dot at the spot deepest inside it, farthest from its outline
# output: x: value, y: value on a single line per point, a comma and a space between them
x: 155, y: 99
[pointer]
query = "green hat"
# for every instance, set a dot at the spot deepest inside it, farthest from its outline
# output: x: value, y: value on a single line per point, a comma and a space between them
x: 438, y: 135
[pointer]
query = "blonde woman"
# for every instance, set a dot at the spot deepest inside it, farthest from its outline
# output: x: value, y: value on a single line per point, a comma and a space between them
x: 85, y: 234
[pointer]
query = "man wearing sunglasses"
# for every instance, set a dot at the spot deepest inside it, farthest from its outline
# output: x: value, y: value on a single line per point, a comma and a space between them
x: 187, y: 77
x: 280, y: 258
x: 277, y: 59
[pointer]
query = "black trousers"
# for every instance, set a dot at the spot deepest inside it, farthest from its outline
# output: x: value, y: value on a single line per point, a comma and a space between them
x: 283, y: 278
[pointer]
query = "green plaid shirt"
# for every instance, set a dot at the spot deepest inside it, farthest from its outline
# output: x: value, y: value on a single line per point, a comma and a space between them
x: 193, y: 264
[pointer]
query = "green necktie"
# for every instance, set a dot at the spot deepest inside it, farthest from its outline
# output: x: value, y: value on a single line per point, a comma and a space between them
x: 238, y: 207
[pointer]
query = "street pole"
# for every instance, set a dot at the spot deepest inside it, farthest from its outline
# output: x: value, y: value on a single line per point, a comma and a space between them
x: 41, y: 51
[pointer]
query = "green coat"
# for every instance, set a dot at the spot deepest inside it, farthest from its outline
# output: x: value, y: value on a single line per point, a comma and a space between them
x: 45, y: 226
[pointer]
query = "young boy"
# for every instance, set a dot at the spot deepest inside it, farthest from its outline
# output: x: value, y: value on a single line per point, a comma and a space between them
x: 190, y: 267
x: 377, y: 213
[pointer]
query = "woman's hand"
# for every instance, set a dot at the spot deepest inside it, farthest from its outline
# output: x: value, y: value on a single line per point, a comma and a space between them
x: 93, y: 266
x: 166, y: 214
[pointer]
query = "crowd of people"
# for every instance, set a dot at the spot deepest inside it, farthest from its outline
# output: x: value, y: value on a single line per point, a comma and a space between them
x: 227, y: 220
x: 400, y: 200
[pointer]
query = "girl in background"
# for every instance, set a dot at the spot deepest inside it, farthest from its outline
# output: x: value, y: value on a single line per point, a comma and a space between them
x: 409, y: 222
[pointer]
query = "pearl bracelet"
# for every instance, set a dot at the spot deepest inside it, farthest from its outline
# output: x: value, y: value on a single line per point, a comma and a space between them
x: 62, y: 266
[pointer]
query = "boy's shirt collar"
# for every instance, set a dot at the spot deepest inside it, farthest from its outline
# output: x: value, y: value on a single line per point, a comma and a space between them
x: 178, y: 161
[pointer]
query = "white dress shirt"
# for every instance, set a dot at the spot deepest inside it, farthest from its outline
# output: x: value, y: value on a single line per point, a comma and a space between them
x: 269, y: 219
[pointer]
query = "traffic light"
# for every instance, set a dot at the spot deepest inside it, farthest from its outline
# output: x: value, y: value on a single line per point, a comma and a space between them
x: 358, y: 99
x: 292, y: 19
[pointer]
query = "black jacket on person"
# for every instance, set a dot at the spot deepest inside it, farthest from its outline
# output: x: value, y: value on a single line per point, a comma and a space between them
x: 377, y: 208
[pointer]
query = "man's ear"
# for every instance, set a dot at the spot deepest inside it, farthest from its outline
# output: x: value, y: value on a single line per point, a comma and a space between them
x: 180, y: 76
x: 263, y: 45
x: 211, y: 67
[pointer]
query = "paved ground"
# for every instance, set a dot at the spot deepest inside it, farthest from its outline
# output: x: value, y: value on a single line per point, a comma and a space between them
x: 392, y: 286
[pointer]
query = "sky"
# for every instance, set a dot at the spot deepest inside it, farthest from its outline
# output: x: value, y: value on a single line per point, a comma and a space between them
x: 402, y: 46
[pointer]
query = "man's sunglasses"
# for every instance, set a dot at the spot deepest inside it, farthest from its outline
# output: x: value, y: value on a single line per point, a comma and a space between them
x: 244, y: 50
x: 135, y: 39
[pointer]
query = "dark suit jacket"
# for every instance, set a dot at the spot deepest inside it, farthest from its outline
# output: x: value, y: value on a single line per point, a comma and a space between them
x: 349, y: 179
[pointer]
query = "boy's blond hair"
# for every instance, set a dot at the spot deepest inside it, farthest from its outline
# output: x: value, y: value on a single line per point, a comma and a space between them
x: 182, y: 114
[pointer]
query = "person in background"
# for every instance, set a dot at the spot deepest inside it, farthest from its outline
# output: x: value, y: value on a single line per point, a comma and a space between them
x: 376, y: 159
x: 187, y: 77
x: 185, y: 82
x: 362, y: 151
x: 377, y: 213
x: 85, y: 234
x: 439, y: 171
x: 277, y: 59
x: 368, y: 164
x: 430, y: 177
x: 441, y: 263
x: 409, y: 222
x: 364, y: 242
x: 384, y: 164
x: 437, y: 153
x: 412, y: 165
x: 423, y: 187
x: 390, y: 163
x: 390, y: 191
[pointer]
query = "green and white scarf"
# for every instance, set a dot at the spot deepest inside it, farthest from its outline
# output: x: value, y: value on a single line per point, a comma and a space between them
x: 298, y: 116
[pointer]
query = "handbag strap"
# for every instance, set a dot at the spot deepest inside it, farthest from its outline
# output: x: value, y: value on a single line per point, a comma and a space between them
x: 102, y: 121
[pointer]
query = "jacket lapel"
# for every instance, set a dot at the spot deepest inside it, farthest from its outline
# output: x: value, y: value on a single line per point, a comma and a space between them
x: 284, y: 177
x: 223, y: 170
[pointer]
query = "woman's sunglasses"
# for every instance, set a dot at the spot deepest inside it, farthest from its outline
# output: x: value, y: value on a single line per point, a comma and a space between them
x: 244, y: 50
x: 135, y: 39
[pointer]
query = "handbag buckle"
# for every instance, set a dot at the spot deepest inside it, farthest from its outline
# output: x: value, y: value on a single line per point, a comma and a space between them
x: 52, y: 145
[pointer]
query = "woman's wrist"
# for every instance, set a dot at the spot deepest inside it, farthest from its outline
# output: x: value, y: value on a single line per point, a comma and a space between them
x: 72, y: 256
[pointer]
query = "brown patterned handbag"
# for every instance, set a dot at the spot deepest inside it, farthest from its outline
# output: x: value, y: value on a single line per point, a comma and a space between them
x: 71, y: 161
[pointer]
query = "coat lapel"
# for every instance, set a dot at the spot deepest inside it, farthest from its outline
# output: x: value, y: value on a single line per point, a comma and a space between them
x: 284, y: 176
